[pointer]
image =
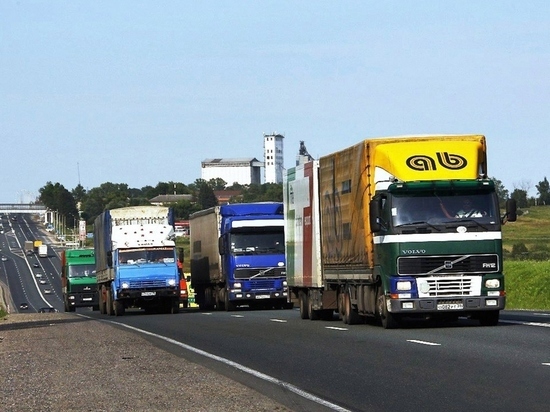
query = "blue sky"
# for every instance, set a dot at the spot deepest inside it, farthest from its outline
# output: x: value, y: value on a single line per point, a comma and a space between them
x: 139, y: 92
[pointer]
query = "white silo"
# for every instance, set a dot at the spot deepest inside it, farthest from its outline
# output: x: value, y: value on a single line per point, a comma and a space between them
x: 273, y: 158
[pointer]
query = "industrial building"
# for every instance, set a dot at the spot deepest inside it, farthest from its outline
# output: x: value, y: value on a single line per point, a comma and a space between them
x: 246, y: 171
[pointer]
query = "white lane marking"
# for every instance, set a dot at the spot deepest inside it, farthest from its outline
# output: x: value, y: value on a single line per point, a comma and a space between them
x: 541, y: 314
x: 238, y: 366
x: 546, y: 363
x: 517, y: 322
x: 335, y: 328
x: 237, y: 316
x: 423, y: 342
x: 207, y: 313
x: 278, y: 320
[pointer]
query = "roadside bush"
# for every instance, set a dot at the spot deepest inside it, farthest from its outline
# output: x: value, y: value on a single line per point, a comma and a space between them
x: 519, y: 252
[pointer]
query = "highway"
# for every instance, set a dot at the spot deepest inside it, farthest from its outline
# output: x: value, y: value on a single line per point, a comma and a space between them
x: 327, y: 365
x: 18, y: 272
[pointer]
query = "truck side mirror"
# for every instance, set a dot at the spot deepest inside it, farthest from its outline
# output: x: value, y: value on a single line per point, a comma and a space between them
x: 511, y: 210
x: 110, y: 259
x: 180, y: 254
x: 374, y: 215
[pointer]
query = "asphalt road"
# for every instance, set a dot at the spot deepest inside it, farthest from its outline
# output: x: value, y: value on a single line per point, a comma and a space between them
x: 316, y: 365
x: 453, y: 367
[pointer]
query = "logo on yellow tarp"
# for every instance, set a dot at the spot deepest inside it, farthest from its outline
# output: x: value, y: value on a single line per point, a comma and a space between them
x: 447, y: 160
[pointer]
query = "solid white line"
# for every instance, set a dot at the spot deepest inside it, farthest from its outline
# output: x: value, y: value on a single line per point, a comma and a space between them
x: 335, y: 328
x: 546, y: 364
x: 237, y: 316
x: 278, y: 320
x: 517, y: 322
x: 422, y: 342
x: 236, y: 365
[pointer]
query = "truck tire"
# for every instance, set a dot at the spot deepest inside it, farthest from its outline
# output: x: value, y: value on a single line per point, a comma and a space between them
x: 304, y: 305
x: 313, y: 314
x: 101, y: 297
x: 489, y: 318
x: 228, y: 305
x: 109, y: 304
x: 175, y: 307
x: 118, y: 307
x: 388, y: 319
x: 351, y: 317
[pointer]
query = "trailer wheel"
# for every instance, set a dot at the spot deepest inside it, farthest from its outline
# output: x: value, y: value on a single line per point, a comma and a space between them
x: 388, y: 319
x: 351, y: 317
x: 313, y: 314
x: 175, y: 307
x: 304, y: 307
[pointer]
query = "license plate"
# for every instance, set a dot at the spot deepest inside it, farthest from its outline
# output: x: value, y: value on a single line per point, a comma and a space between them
x: 148, y: 293
x: 450, y: 306
x: 262, y: 296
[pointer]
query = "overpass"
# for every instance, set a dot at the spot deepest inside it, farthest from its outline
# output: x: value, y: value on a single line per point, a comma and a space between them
x: 22, y: 208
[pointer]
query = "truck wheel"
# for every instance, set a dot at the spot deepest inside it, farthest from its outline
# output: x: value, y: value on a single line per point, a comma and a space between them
x: 388, y: 319
x: 229, y: 306
x: 351, y: 317
x: 109, y: 304
x: 304, y: 306
x: 101, y: 298
x: 118, y: 308
x: 489, y: 318
x: 175, y: 306
x: 313, y: 314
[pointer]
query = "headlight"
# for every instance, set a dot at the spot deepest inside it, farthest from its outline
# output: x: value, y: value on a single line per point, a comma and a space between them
x: 172, y: 282
x: 125, y: 285
x: 492, y: 283
x: 237, y: 285
x: 285, y: 283
x: 404, y: 285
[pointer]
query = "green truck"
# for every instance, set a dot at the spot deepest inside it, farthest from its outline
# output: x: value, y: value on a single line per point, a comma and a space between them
x: 78, y: 279
x: 383, y: 229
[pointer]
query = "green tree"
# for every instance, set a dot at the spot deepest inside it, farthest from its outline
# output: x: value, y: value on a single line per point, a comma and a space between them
x: 206, y: 197
x: 543, y: 189
x: 520, y: 196
x: 217, y: 184
x: 56, y: 197
x: 502, y: 192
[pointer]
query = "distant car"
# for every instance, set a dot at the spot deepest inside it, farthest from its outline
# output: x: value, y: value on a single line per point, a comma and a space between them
x: 35, y: 265
x: 47, y: 310
x: 38, y: 275
x: 47, y: 291
x: 23, y: 306
x: 43, y: 281
x: 4, y: 258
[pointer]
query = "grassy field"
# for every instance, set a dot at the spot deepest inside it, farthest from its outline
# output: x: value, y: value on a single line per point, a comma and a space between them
x: 528, y: 281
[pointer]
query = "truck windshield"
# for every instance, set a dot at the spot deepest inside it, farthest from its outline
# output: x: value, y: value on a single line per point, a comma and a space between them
x: 80, y: 271
x: 257, y: 243
x: 480, y: 207
x: 139, y: 256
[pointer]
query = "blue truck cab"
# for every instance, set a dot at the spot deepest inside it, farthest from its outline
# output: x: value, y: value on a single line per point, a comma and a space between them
x: 238, y: 256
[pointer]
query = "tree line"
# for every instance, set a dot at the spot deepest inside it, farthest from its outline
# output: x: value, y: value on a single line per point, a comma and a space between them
x: 87, y: 204
x: 80, y: 203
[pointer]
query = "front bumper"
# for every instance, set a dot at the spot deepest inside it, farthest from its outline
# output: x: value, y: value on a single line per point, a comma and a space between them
x: 446, y: 305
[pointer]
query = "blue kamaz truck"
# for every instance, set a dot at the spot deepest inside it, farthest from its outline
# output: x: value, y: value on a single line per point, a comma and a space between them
x: 136, y: 262
x: 238, y: 256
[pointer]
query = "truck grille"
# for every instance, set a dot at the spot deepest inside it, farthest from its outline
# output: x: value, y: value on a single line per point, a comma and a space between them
x: 249, y: 272
x: 449, y: 286
x: 147, y: 284
x: 447, y: 264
